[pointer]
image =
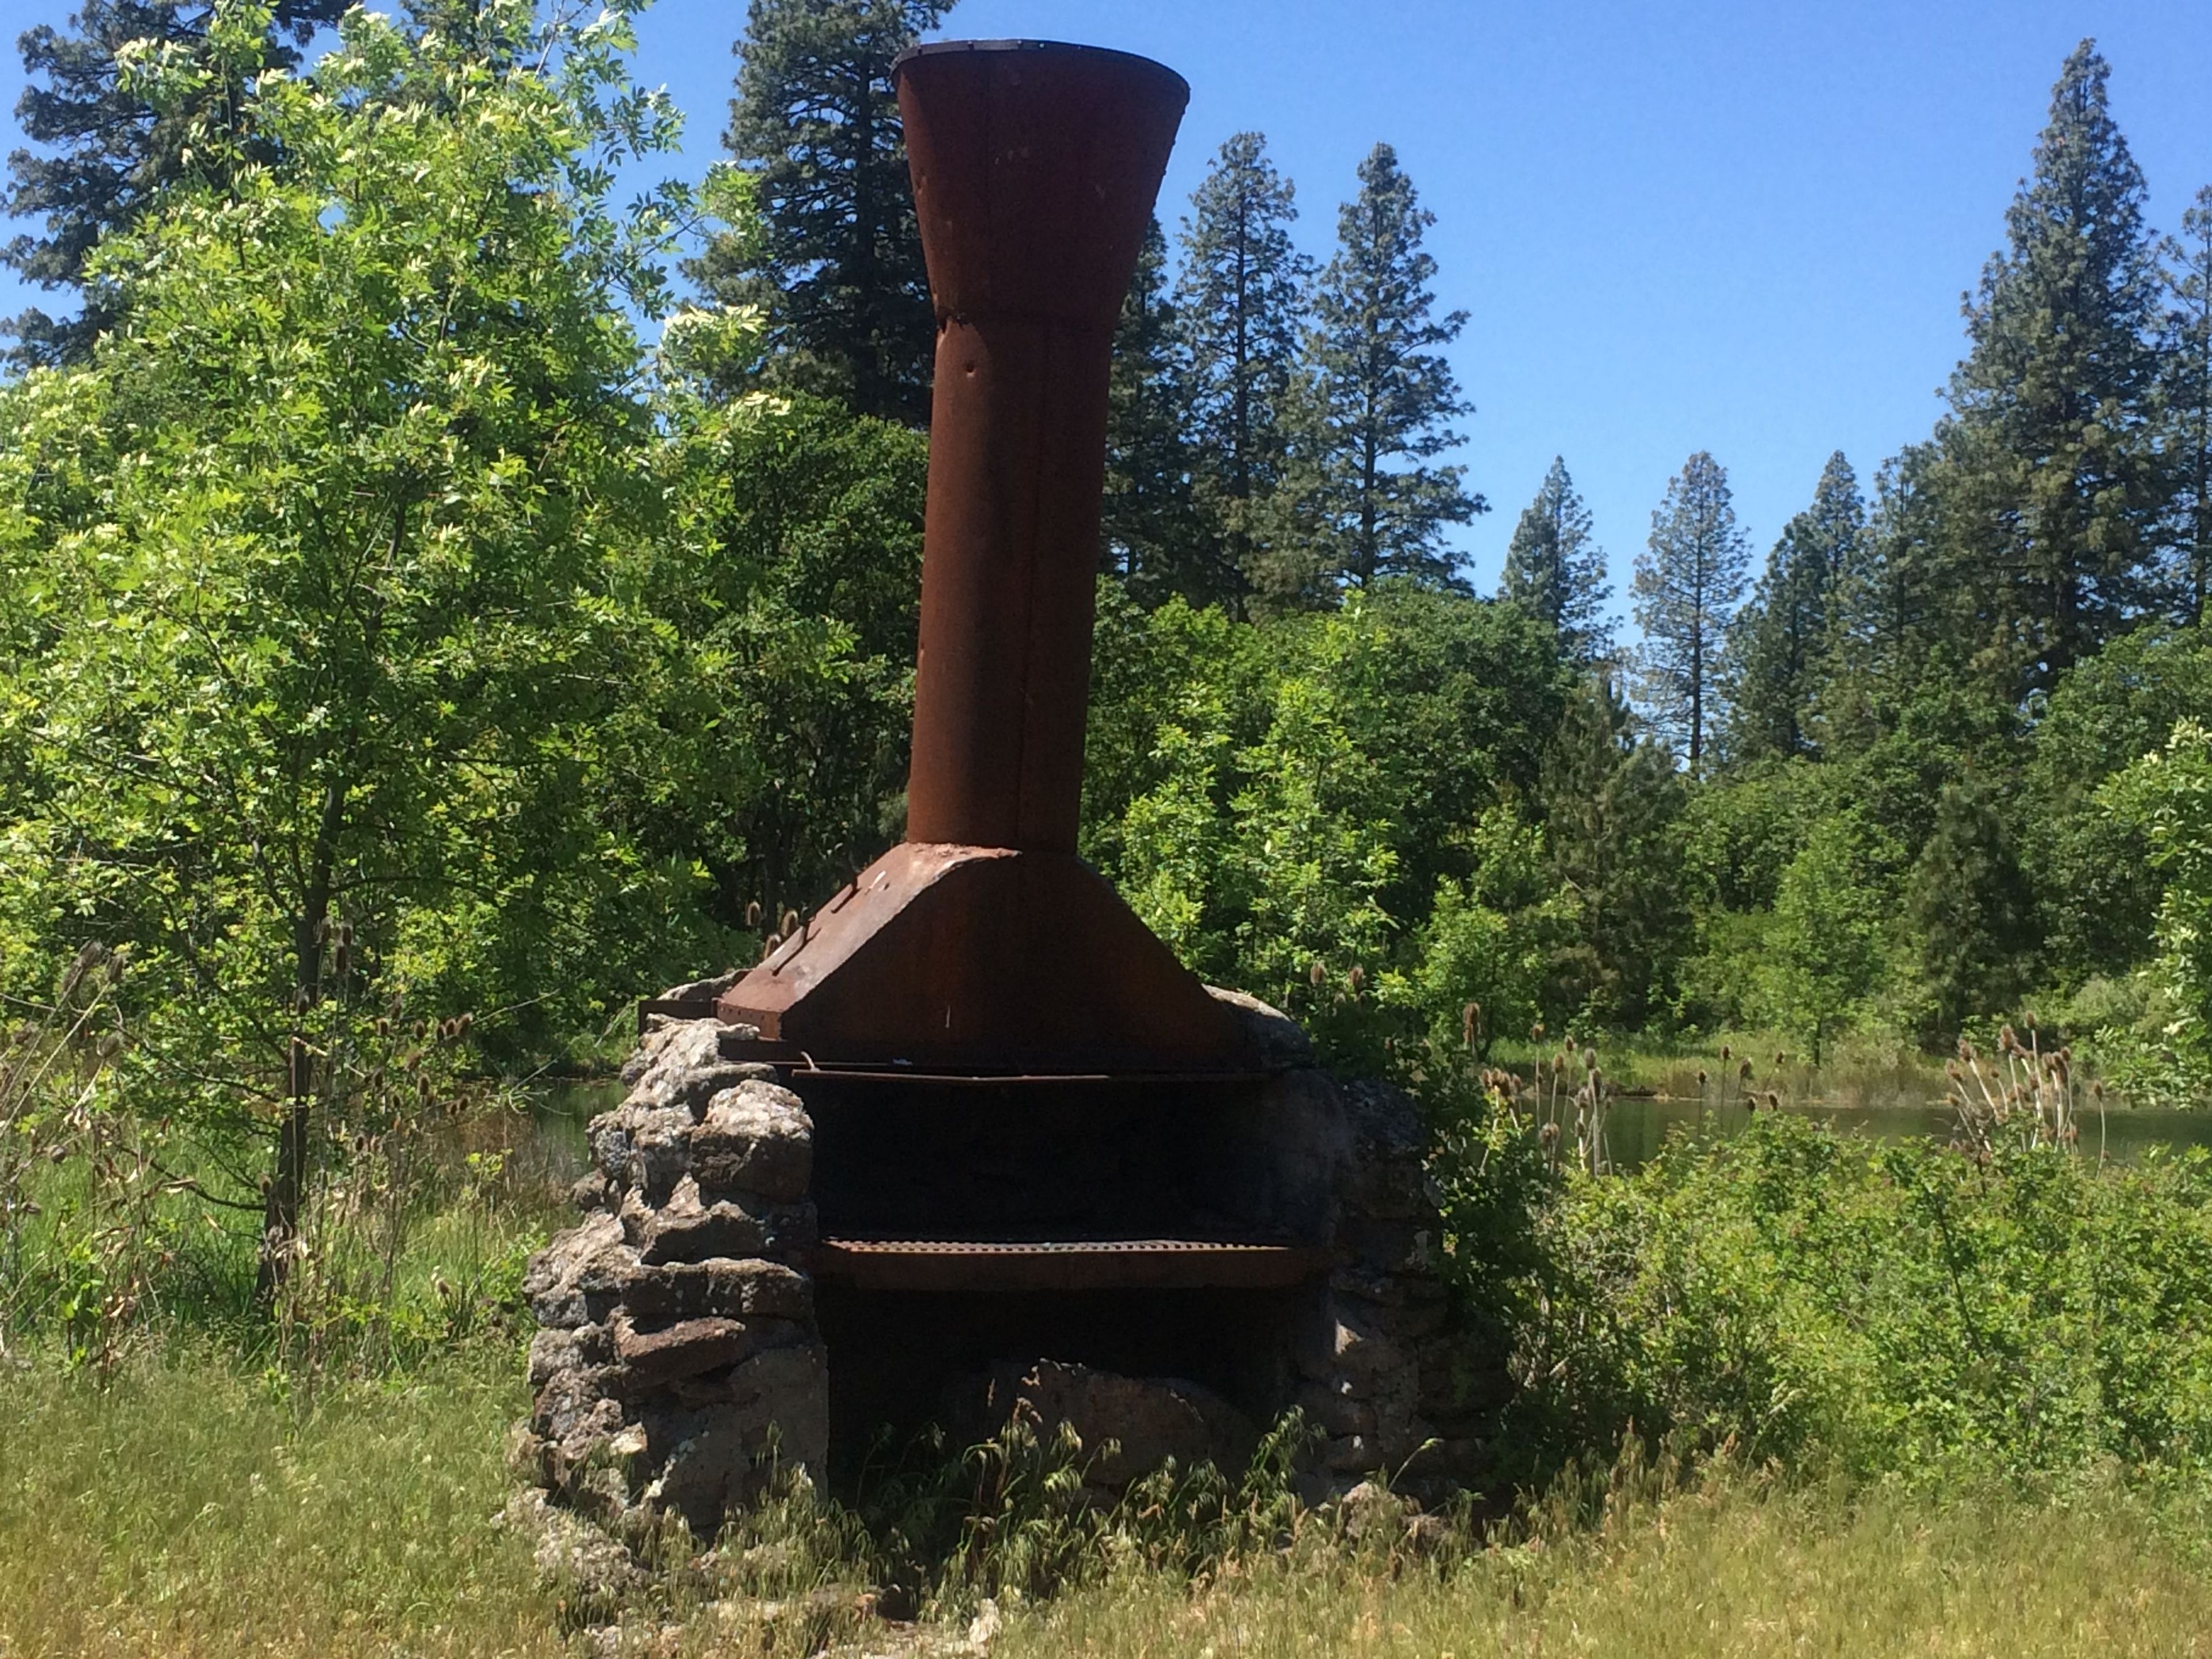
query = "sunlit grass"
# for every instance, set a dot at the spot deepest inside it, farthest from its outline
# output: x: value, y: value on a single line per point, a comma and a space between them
x: 187, y: 1508
x: 1734, y: 1569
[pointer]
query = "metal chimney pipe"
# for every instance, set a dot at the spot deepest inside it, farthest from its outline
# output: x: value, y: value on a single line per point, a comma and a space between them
x: 1035, y: 169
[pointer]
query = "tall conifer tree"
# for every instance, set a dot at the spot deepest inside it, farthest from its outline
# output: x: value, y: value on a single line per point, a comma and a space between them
x: 2050, y: 448
x: 1688, y: 581
x: 107, y: 149
x: 1781, y: 637
x: 836, y: 263
x: 1555, y: 569
x: 1148, y: 528
x: 1386, y: 395
x: 1612, y: 803
x: 2189, y: 405
x: 1241, y: 313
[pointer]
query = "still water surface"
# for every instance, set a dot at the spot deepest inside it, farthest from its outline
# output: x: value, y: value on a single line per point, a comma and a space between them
x: 1887, y: 1108
x: 1635, y: 1130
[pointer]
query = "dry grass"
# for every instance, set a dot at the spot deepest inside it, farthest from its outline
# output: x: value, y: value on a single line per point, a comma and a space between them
x: 1732, y: 1571
x: 185, y: 1510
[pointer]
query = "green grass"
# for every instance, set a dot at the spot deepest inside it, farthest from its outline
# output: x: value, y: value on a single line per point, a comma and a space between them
x: 186, y: 1509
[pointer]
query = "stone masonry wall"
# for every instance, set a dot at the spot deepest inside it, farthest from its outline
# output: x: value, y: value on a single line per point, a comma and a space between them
x: 679, y: 1360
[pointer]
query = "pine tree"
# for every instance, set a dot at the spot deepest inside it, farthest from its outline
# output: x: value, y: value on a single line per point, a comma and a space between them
x: 1972, y: 911
x: 1780, y: 641
x: 1688, y: 581
x: 1555, y: 570
x: 107, y: 150
x: 1149, y: 534
x: 1385, y: 393
x: 1612, y: 806
x: 2050, y: 448
x: 1241, y: 314
x: 836, y: 263
x: 2189, y: 405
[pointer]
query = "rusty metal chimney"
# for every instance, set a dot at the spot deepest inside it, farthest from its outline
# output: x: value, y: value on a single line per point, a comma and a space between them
x: 983, y: 942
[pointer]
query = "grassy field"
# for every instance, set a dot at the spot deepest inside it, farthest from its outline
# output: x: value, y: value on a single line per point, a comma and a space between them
x: 186, y: 1509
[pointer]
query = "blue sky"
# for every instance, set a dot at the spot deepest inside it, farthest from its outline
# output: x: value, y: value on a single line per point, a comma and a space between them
x: 1713, y: 224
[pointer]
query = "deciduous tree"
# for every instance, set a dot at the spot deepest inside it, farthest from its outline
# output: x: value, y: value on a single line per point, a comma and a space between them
x: 102, y: 150
x: 325, y: 570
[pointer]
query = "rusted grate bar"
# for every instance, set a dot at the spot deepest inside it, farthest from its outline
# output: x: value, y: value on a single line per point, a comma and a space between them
x: 937, y: 1264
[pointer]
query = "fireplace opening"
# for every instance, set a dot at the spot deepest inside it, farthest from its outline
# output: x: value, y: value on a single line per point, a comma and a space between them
x: 1150, y: 1226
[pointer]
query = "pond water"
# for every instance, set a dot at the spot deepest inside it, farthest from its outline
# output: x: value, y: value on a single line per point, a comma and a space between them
x: 1893, y: 1106
x: 1635, y: 1128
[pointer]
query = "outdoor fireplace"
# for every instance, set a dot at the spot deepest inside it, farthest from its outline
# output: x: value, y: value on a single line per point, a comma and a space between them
x: 1036, y: 1134
x: 972, y: 1115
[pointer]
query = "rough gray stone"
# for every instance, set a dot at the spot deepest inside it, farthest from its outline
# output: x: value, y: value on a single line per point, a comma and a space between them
x: 711, y: 1461
x: 1275, y: 1039
x: 656, y: 1357
x: 580, y: 1275
x: 583, y: 1563
x: 688, y: 1228
x: 748, y: 1288
x: 703, y: 990
x: 642, y: 1145
x: 1128, y: 1425
x: 755, y: 1137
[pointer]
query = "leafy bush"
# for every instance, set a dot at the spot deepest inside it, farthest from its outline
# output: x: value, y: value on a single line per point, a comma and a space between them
x: 1870, y: 1308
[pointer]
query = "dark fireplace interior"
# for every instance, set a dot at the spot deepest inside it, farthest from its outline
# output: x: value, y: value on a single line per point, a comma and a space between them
x: 1103, y: 1185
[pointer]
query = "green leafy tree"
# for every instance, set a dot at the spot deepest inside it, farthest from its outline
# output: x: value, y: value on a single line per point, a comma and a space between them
x: 1688, y: 581
x: 787, y: 600
x: 107, y: 150
x: 324, y: 569
x: 1555, y: 570
x: 834, y: 259
x: 1241, y: 314
x: 1483, y: 958
x: 2096, y: 887
x: 1781, y: 641
x: 2051, y: 449
x: 1386, y: 394
x: 2167, y: 797
x: 1149, y: 535
x: 1823, y: 952
x: 1298, y: 790
x: 2187, y: 388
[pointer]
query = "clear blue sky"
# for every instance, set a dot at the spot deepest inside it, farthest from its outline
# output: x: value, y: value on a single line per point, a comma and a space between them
x: 1714, y: 224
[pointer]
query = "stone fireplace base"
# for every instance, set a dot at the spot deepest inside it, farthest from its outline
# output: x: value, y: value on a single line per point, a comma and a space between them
x: 687, y: 1351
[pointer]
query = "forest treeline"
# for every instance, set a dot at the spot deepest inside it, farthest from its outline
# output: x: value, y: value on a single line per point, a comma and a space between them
x: 440, y: 602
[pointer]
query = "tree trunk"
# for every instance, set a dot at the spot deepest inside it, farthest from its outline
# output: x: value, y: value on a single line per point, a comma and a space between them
x: 288, y: 1184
